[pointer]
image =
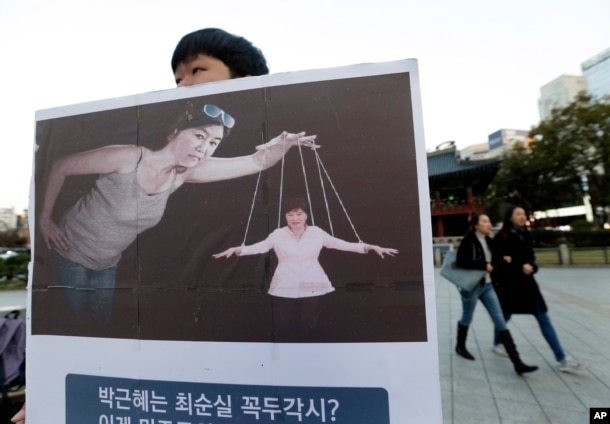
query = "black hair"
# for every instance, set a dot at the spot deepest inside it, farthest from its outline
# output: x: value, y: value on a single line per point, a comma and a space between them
x: 474, y: 219
x: 240, y: 55
x: 295, y: 203
x: 192, y: 117
x: 508, y: 214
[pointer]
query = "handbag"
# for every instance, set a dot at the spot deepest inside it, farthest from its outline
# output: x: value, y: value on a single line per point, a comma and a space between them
x: 465, y: 279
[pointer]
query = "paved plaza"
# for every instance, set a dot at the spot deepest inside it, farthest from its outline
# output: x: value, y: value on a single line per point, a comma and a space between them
x: 488, y: 391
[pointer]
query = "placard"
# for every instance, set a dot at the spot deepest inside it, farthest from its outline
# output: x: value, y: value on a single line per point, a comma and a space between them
x: 136, y: 199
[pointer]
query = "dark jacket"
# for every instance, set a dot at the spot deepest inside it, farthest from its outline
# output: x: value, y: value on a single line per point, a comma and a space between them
x: 470, y: 254
x: 518, y: 293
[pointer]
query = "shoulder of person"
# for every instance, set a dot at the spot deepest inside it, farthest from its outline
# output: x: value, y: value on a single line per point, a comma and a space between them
x: 131, y: 149
x: 115, y: 158
x: 281, y: 230
x: 469, y: 237
x: 315, y: 229
x: 125, y: 153
x: 131, y: 156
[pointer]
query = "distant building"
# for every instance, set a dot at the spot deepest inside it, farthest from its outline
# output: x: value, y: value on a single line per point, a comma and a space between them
x: 16, y: 224
x: 457, y: 188
x: 504, y: 139
x: 559, y: 93
x: 474, y: 151
x: 23, y: 227
x: 497, y: 144
x: 8, y: 219
x: 596, y: 72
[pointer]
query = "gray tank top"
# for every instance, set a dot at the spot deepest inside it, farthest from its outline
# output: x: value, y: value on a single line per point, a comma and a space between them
x: 101, y: 225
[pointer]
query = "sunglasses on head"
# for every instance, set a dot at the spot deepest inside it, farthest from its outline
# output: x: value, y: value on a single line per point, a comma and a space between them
x: 214, y: 111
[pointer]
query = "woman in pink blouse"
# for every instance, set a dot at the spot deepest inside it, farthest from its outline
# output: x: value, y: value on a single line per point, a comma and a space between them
x: 297, y: 247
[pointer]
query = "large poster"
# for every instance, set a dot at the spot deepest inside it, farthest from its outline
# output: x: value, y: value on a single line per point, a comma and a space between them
x: 244, y: 251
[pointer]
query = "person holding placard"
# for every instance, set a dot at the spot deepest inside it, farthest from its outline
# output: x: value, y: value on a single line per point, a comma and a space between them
x: 203, y: 56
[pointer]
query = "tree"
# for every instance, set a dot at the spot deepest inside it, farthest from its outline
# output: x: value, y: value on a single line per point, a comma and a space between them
x: 547, y: 173
x: 12, y: 238
x: 15, y: 267
x: 523, y: 181
x: 575, y: 140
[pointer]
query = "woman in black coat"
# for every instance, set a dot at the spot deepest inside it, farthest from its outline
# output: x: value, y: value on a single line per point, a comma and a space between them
x: 514, y: 265
x: 475, y: 252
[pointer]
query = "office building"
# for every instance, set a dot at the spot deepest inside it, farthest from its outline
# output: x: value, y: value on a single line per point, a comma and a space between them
x: 596, y: 72
x: 8, y: 219
x: 559, y: 93
x: 504, y: 139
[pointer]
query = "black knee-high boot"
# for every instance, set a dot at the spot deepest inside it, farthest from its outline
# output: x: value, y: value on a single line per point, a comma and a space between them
x: 511, y: 349
x: 460, y: 346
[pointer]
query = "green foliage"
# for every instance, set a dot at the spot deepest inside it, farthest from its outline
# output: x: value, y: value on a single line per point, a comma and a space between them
x: 13, y: 284
x: 582, y: 225
x: 12, y: 239
x: 576, y: 140
x: 549, y: 238
x: 15, y: 267
x: 590, y: 238
x: 523, y: 181
x: 542, y: 237
x: 547, y: 173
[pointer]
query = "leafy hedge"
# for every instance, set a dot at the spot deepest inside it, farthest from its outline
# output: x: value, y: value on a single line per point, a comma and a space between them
x: 15, y: 266
x: 550, y: 238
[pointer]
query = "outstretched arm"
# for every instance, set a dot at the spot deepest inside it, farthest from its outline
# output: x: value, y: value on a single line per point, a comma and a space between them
x: 99, y: 161
x: 267, y: 155
x: 228, y: 253
x: 381, y: 251
x: 261, y: 247
x: 336, y: 243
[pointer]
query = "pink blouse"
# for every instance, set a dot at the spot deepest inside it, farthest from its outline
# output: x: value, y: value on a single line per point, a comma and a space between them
x: 299, y: 273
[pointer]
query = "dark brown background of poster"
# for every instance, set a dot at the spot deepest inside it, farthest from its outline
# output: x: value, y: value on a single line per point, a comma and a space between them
x: 168, y: 285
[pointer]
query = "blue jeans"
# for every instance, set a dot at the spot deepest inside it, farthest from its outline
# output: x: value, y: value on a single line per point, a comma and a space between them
x: 548, y: 331
x: 89, y: 292
x: 488, y: 296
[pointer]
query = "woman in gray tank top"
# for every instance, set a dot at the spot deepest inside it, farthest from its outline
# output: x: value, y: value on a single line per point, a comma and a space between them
x: 130, y: 196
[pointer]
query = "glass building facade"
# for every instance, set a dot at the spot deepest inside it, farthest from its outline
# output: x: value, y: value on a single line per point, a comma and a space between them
x: 597, y: 74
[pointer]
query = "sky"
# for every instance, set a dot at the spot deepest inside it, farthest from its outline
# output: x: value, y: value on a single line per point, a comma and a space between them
x: 481, y: 62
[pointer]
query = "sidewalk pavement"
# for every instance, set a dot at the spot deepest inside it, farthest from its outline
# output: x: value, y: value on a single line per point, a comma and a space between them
x: 488, y: 391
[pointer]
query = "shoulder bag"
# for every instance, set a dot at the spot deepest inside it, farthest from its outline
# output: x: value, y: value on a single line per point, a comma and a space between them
x: 466, y: 279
